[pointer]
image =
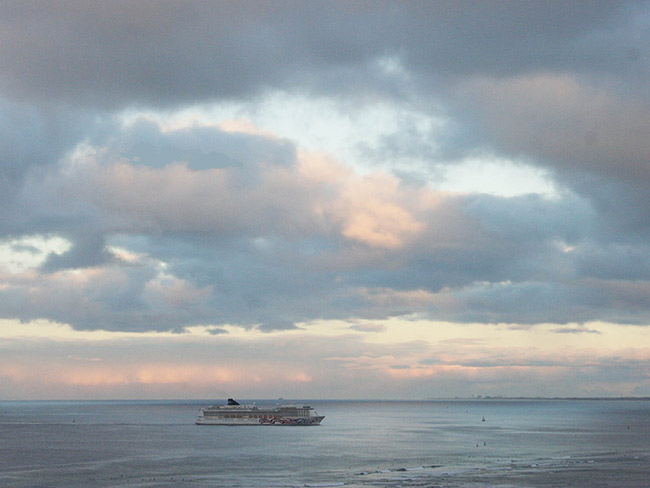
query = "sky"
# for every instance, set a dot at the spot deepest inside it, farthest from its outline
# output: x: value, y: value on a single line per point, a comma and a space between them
x: 357, y: 199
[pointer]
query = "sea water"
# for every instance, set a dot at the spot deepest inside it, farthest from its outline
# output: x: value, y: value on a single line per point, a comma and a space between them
x: 451, y: 443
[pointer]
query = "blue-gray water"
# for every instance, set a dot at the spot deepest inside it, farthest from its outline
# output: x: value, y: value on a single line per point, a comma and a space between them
x: 521, y: 443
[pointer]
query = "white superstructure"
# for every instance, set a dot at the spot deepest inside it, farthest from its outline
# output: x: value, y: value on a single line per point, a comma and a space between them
x: 235, y: 414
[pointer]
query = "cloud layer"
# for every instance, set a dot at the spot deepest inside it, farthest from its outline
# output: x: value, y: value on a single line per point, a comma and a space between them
x: 167, y: 165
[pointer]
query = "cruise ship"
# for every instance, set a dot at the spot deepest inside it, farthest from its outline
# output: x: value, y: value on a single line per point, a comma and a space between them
x: 235, y: 414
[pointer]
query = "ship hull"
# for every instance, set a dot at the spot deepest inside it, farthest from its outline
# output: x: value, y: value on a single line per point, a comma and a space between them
x: 235, y: 414
x: 303, y: 421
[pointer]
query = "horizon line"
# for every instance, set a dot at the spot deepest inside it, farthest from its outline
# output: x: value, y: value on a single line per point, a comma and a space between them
x: 281, y: 399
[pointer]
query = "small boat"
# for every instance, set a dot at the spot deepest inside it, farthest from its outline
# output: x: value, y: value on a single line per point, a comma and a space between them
x: 233, y: 413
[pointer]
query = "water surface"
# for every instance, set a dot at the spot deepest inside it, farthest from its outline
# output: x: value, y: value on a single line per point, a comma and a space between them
x: 521, y: 443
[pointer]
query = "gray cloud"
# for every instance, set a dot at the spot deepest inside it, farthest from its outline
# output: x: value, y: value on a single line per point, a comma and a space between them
x: 31, y: 137
x: 169, y: 52
x: 87, y: 251
x: 276, y: 325
x: 199, y: 147
x: 592, y: 136
x: 233, y: 243
x: 172, y: 52
x: 575, y: 330
x: 230, y: 228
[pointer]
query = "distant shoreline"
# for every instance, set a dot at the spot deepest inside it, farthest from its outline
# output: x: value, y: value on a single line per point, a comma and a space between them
x: 645, y: 398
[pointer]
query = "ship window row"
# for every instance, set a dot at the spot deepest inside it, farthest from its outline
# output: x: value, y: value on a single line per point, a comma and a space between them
x: 238, y: 416
x: 250, y: 416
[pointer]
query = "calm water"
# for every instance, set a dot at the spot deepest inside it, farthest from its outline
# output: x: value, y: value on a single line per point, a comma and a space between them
x: 595, y: 443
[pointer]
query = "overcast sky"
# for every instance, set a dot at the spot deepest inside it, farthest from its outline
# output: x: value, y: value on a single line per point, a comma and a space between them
x: 324, y: 199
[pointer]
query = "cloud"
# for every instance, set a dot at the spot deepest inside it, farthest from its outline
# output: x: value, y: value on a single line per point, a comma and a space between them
x: 172, y: 246
x: 572, y: 123
x: 173, y: 53
x: 88, y: 251
x: 162, y: 54
x: 368, y: 327
x: 371, y: 216
x: 306, y: 362
x: 167, y: 245
x: 32, y: 139
x: 575, y: 330
x: 241, y: 169
x: 593, y: 136
x: 276, y: 325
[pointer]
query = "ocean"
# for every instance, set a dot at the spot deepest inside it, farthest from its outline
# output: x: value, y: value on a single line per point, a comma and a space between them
x: 445, y: 443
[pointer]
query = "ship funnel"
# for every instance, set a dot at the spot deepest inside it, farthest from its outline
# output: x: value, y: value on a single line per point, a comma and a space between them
x: 232, y: 402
